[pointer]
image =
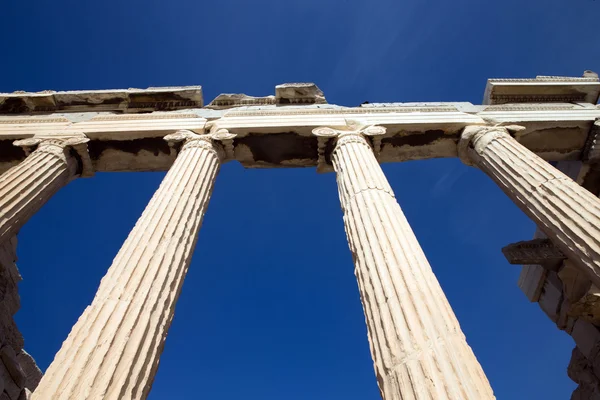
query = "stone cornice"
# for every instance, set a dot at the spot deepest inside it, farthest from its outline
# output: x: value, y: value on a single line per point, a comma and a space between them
x: 543, y: 89
x: 124, y: 100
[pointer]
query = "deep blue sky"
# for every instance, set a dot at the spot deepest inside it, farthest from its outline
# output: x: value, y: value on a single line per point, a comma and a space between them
x: 270, y: 307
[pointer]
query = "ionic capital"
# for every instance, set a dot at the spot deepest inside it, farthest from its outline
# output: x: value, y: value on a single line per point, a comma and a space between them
x: 344, y: 135
x: 478, y: 137
x: 59, y: 145
x: 184, y: 139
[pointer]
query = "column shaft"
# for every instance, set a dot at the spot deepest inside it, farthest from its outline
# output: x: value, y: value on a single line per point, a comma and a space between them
x: 566, y: 212
x: 113, y: 350
x: 26, y: 187
x: 418, y: 348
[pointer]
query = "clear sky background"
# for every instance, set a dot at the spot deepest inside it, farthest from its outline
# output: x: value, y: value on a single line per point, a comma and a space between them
x: 270, y: 307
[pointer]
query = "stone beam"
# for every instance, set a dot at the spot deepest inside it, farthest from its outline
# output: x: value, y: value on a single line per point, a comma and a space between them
x: 280, y: 136
x: 275, y: 131
x: 544, y: 89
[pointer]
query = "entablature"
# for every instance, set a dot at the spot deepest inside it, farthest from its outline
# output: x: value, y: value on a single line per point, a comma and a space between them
x: 276, y: 131
x: 273, y: 137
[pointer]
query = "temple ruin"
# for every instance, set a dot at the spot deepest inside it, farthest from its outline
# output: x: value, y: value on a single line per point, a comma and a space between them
x: 536, y: 138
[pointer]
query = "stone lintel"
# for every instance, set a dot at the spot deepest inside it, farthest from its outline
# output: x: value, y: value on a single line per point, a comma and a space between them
x: 275, y: 136
x: 543, y: 89
x: 536, y: 251
x: 123, y: 100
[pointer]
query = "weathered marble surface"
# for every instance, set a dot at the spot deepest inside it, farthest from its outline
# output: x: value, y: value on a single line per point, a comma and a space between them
x: 26, y: 187
x: 126, y: 130
x: 567, y: 213
x: 570, y: 300
x: 275, y: 131
x: 113, y: 350
x: 544, y: 89
x: 299, y: 93
x: 124, y: 100
x: 419, y: 350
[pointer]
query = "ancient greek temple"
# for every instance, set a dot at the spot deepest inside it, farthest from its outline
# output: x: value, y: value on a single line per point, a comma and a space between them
x: 537, y: 139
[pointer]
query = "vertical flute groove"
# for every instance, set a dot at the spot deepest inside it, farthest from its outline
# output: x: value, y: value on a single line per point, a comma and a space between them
x: 566, y: 212
x: 114, y: 348
x: 26, y: 187
x: 419, y: 351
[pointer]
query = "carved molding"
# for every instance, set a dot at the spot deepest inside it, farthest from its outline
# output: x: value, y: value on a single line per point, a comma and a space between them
x: 344, y: 110
x: 137, y: 117
x: 17, y: 121
x: 324, y: 134
x: 536, y: 251
x: 56, y: 143
x: 557, y: 98
x: 221, y: 141
x: 528, y: 107
x: 471, y: 132
x: 565, y: 79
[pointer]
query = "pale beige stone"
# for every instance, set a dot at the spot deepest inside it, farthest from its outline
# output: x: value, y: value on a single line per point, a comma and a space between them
x: 543, y: 89
x: 299, y: 93
x: 132, y: 142
x: 275, y: 131
x: 25, y: 188
x: 230, y: 100
x: 567, y: 213
x: 130, y: 100
x: 418, y: 348
x: 114, y: 348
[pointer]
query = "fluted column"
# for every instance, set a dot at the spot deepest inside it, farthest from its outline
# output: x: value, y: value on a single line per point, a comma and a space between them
x: 418, y: 349
x: 26, y: 187
x: 113, y: 350
x: 566, y: 212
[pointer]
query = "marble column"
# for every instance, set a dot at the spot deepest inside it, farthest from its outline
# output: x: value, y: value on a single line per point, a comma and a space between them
x: 114, y: 348
x: 26, y: 187
x: 566, y: 212
x: 418, y: 348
